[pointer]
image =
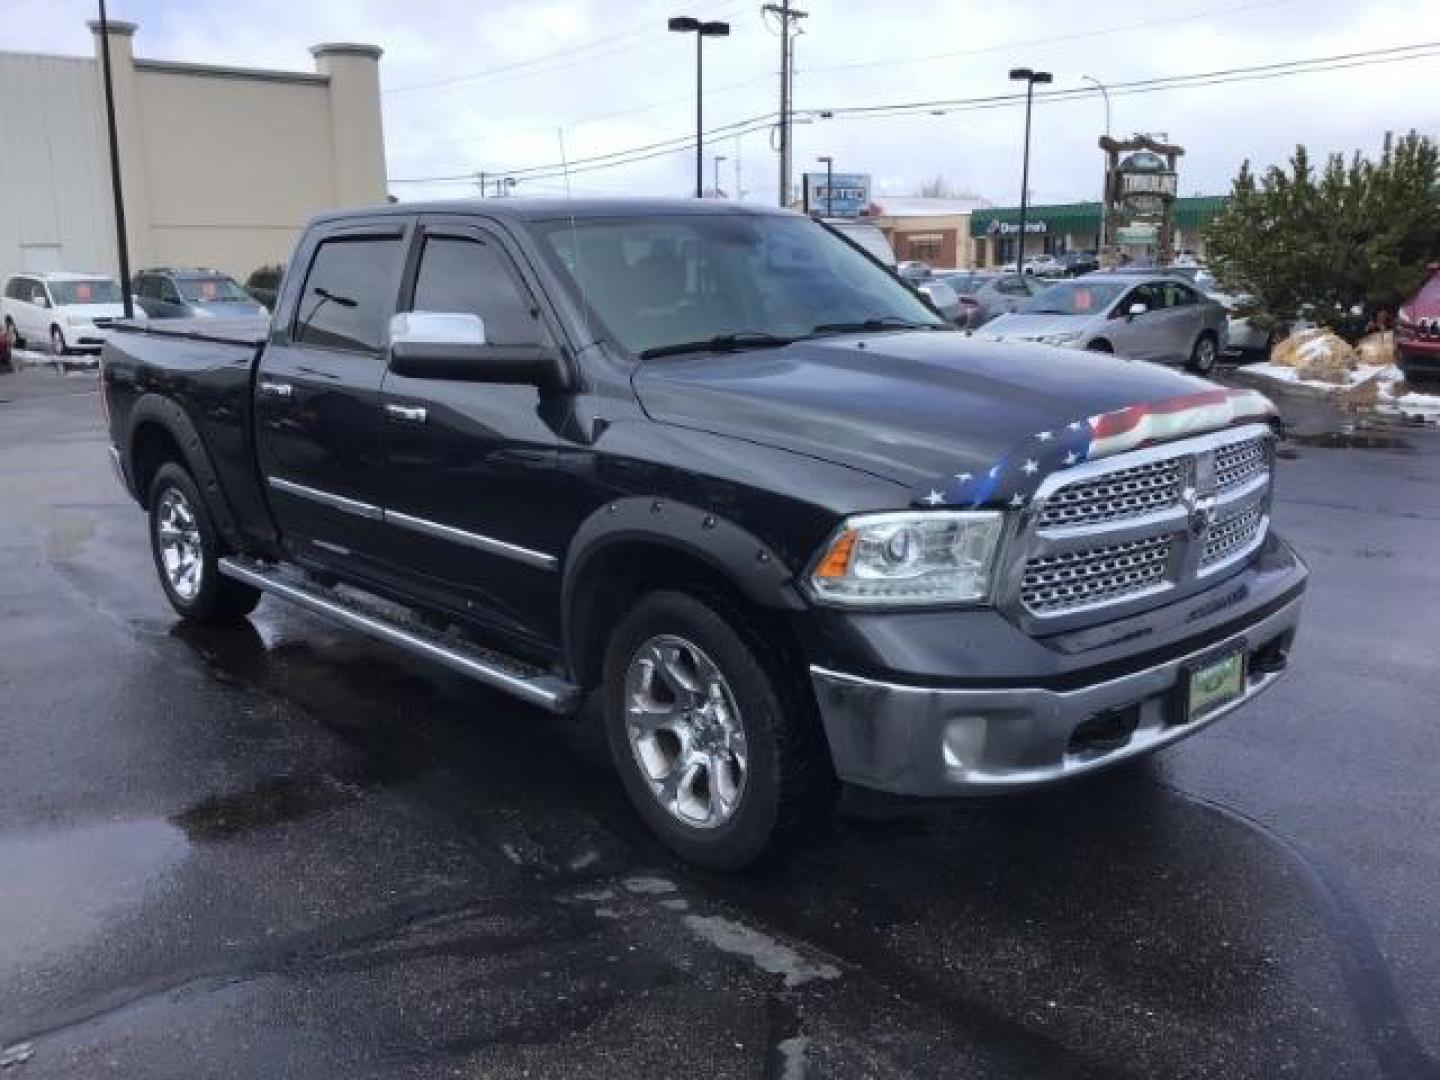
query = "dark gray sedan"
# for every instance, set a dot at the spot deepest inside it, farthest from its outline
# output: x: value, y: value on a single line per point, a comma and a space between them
x: 1156, y: 318
x: 172, y: 293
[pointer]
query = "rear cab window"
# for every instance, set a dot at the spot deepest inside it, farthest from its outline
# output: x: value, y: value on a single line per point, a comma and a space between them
x: 349, y: 293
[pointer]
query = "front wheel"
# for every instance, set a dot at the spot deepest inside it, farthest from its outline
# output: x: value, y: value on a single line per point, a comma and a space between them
x: 186, y: 548
x: 1204, y: 354
x: 719, y: 751
x: 14, y: 332
x: 57, y: 342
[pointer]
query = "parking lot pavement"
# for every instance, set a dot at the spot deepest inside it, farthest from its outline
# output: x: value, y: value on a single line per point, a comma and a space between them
x: 284, y: 851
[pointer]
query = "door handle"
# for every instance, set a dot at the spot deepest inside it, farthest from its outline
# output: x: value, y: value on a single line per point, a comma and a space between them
x: 410, y: 414
x: 275, y: 389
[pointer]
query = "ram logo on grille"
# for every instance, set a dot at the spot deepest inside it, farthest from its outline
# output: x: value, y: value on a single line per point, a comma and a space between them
x: 1144, y: 524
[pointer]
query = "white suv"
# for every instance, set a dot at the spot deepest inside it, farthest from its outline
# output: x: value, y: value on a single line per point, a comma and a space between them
x: 70, y: 311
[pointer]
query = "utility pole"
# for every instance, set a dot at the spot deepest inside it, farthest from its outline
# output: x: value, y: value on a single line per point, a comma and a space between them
x: 787, y: 70
x: 122, y: 246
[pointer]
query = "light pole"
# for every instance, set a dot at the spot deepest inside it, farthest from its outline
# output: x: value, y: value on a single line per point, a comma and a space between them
x: 122, y: 243
x: 716, y: 186
x: 1029, y: 78
x: 684, y: 24
x: 1105, y: 181
x: 829, y: 184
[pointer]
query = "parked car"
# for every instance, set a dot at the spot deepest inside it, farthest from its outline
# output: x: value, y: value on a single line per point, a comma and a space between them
x: 1044, y: 266
x: 1242, y: 337
x: 70, y: 312
x: 1075, y: 263
x: 178, y: 293
x: 871, y: 239
x: 263, y: 284
x: 984, y: 295
x: 707, y: 474
x: 913, y: 271
x: 1155, y: 317
x: 1417, y: 330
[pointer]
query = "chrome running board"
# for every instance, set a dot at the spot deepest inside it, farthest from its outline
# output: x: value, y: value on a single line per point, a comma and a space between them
x: 530, y: 685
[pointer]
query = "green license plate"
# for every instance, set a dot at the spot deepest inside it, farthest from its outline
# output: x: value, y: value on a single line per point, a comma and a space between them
x: 1215, y: 683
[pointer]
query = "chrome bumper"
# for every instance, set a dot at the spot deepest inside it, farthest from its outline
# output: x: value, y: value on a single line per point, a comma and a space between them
x: 915, y: 740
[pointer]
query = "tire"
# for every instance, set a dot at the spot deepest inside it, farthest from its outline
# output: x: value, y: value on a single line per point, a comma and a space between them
x: 1204, y: 354
x: 1100, y: 346
x: 778, y: 774
x: 57, y: 342
x: 186, y: 550
x: 14, y: 332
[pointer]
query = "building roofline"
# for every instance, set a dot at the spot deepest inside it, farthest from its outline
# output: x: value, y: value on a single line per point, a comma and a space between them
x: 346, y: 48
x: 178, y: 67
x: 114, y: 26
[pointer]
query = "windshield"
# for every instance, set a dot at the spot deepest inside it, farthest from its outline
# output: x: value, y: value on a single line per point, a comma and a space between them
x: 1075, y: 298
x: 210, y: 290
x: 96, y: 291
x: 656, y: 282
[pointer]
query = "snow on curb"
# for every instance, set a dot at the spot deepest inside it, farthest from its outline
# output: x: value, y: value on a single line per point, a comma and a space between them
x: 1419, y: 408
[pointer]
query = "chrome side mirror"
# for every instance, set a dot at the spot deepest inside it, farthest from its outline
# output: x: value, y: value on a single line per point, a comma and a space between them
x: 1137, y: 309
x: 437, y: 328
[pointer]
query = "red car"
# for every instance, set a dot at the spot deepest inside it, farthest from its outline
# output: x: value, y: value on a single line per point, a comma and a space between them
x: 1417, y: 330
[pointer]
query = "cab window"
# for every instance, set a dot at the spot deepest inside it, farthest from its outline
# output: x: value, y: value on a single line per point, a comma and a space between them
x: 474, y: 276
x: 349, y: 293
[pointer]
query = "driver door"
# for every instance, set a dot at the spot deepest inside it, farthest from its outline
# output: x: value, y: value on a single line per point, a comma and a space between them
x: 1139, y: 336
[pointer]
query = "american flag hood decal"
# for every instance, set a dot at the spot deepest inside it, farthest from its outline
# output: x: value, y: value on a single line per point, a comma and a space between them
x: 1013, y: 480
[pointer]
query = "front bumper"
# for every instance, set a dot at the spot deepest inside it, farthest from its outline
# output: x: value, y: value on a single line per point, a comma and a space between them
x: 1418, y: 353
x: 936, y: 740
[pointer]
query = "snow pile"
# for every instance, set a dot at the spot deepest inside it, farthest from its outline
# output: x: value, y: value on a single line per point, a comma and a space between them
x: 1378, y: 386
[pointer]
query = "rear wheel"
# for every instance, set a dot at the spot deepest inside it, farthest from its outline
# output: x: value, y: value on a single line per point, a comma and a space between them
x: 1204, y: 354
x: 186, y: 549
x: 718, y: 750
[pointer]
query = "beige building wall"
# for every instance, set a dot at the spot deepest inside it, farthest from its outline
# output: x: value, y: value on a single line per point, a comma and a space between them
x: 221, y: 166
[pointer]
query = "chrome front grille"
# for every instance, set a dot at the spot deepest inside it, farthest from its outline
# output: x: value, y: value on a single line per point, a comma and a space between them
x: 1231, y: 534
x: 1240, y: 463
x: 1099, y: 575
x: 1118, y: 495
x: 1112, y: 535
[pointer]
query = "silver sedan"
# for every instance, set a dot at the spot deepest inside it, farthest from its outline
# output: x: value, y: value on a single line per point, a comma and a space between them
x: 1156, y: 318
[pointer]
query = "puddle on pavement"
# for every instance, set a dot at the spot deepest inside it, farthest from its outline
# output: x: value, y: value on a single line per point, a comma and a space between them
x: 58, y: 887
x: 274, y: 802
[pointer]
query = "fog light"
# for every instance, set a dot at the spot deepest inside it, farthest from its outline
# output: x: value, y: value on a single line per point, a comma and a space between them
x: 963, y: 741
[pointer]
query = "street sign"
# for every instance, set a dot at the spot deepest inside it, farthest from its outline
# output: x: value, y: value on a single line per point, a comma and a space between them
x: 851, y: 197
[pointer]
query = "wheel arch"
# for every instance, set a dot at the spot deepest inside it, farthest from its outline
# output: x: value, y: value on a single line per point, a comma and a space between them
x: 160, y: 431
x: 631, y: 546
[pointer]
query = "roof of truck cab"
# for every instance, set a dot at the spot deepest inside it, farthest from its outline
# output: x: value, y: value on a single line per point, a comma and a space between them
x: 528, y: 210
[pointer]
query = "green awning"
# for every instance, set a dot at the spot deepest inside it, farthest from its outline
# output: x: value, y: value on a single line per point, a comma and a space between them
x: 1079, y: 218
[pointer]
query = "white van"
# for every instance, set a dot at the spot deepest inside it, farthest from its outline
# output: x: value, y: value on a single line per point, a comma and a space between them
x: 72, y: 312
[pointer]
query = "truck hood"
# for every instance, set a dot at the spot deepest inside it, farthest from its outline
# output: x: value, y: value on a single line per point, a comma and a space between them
x: 913, y: 407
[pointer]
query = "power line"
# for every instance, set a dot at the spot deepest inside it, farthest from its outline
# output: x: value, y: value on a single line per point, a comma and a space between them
x: 639, y: 35
x: 1283, y: 69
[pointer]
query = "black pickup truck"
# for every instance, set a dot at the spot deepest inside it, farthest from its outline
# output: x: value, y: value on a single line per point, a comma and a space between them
x: 713, y: 477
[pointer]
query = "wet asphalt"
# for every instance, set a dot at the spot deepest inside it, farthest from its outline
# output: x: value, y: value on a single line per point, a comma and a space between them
x: 282, y: 850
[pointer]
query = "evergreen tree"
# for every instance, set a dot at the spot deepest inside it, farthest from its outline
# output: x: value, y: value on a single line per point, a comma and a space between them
x: 1356, y: 236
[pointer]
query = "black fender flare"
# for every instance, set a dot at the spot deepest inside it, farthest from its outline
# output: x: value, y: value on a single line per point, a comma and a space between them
x: 168, y: 413
x: 744, y: 560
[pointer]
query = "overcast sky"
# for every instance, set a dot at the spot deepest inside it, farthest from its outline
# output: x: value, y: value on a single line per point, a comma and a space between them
x: 608, y: 74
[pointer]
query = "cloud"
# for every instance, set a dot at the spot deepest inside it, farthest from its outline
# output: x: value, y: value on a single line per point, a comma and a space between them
x: 612, y: 77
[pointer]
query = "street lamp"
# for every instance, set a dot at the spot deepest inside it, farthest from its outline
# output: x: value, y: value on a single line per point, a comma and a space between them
x: 1029, y: 78
x: 684, y: 24
x: 716, y: 186
x: 829, y: 184
x: 1105, y: 181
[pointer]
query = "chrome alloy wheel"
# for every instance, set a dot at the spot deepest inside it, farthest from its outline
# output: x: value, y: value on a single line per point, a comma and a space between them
x: 178, y: 536
x: 685, y: 731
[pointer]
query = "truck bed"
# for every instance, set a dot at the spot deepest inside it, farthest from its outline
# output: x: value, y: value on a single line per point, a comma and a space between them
x: 247, y: 332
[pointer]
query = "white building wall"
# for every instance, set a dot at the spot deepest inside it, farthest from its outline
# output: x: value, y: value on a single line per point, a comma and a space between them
x: 221, y: 166
x: 54, y: 183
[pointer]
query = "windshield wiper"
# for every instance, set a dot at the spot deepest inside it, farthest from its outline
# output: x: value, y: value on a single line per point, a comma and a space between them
x: 884, y: 322
x: 747, y: 339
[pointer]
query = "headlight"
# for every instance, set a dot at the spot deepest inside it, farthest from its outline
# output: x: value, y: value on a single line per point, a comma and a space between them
x: 1065, y: 337
x: 931, y: 557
